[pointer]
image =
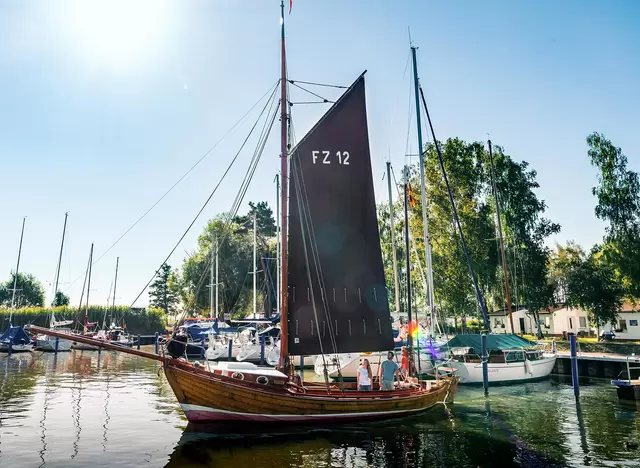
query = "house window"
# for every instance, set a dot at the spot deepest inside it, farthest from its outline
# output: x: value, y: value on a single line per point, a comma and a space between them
x: 633, y: 323
x: 583, y: 322
x: 570, y: 323
x: 622, y: 325
x: 499, y: 322
x: 547, y: 322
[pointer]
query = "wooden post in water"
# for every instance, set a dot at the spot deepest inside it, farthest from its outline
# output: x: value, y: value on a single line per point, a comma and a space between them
x: 138, y: 341
x: 230, y: 350
x: 57, y: 344
x: 157, y: 335
x: 485, y: 364
x: 574, y: 364
x: 262, y: 340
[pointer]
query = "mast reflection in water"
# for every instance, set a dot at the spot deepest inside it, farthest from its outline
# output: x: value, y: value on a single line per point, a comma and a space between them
x: 80, y: 409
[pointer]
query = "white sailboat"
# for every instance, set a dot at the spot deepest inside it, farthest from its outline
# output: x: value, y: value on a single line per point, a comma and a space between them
x: 50, y: 343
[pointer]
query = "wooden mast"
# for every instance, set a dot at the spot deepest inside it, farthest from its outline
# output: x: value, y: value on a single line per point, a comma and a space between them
x: 284, y: 326
x: 393, y: 239
x: 504, y: 256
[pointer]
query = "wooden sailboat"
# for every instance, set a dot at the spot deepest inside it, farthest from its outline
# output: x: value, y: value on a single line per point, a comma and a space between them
x: 333, y: 294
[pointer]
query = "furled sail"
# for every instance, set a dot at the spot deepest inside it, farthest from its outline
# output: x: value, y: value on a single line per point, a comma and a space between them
x: 335, y: 261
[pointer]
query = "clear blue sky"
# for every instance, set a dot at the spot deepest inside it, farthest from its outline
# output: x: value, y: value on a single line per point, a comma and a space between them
x: 106, y: 104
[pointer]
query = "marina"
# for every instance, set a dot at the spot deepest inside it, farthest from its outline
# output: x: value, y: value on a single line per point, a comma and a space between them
x: 337, y: 285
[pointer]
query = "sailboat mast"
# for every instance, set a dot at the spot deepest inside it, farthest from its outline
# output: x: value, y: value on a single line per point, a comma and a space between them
x: 393, y: 239
x: 64, y: 231
x: 217, y: 280
x: 255, y: 264
x: 504, y: 256
x: 86, y: 309
x: 15, y: 278
x: 115, y: 285
x: 284, y: 326
x: 278, y: 242
x: 423, y: 198
x: 212, y: 281
x: 407, y: 252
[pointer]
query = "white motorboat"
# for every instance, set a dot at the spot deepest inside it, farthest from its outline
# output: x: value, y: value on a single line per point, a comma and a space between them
x: 511, y: 359
x: 273, y: 358
x: 48, y: 343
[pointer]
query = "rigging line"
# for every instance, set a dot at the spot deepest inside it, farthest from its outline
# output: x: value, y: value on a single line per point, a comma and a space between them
x: 311, y: 92
x: 272, y: 89
x: 292, y: 103
x: 404, y: 74
x: 202, y: 208
x: 237, y: 202
x: 293, y: 82
x: 316, y: 258
x: 479, y: 295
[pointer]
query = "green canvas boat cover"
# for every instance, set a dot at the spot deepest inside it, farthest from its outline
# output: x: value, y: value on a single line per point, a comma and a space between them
x: 494, y: 342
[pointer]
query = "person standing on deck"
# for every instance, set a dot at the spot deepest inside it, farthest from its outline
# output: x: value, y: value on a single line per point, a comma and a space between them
x: 365, y: 376
x: 387, y: 370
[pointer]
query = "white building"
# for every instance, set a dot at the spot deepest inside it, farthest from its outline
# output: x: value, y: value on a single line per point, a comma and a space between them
x: 553, y: 322
x: 628, y: 325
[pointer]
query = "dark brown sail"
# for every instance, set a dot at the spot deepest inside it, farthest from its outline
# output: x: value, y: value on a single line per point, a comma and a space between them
x: 334, y: 244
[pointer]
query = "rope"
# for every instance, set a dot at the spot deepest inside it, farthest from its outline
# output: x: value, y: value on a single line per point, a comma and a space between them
x: 311, y: 92
x: 272, y: 89
x: 203, y: 206
x: 317, y: 84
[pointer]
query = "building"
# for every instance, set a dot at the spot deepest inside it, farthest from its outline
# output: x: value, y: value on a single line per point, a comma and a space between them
x: 556, y: 321
x: 628, y: 325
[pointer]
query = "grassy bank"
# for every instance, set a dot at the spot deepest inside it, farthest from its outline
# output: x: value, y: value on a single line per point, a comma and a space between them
x: 139, y: 321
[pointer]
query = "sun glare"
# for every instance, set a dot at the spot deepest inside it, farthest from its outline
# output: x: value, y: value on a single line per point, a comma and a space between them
x: 116, y: 33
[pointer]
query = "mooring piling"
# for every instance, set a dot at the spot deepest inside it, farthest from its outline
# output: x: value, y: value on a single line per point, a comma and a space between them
x: 485, y: 364
x: 574, y: 364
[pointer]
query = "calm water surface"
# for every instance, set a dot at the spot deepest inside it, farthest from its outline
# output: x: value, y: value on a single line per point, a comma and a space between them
x: 79, y: 409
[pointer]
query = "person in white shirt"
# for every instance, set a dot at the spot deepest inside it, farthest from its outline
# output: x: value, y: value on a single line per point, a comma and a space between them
x: 364, y: 375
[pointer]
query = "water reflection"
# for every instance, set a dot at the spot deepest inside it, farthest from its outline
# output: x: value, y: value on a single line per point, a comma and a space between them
x: 87, y: 409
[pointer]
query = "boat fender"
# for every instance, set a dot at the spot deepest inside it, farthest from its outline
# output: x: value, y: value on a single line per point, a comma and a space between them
x: 262, y: 380
x: 237, y: 375
x: 528, y: 367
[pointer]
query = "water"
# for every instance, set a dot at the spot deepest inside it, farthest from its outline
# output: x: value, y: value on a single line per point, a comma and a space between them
x: 79, y: 409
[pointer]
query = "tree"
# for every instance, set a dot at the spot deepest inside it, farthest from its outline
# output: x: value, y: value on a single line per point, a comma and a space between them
x: 29, y: 291
x: 162, y: 294
x: 618, y: 194
x: 265, y: 223
x: 61, y: 299
x: 591, y: 283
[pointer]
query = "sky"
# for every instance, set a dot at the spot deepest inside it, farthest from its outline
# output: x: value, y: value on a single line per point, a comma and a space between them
x: 105, y: 105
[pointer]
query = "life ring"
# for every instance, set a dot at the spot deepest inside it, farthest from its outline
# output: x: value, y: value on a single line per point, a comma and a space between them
x: 263, y: 380
x: 237, y: 375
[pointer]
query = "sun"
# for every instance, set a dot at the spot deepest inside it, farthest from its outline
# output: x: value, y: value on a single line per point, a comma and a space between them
x: 116, y: 33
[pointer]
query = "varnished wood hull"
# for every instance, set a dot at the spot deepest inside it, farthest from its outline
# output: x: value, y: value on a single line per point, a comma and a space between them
x: 208, y: 398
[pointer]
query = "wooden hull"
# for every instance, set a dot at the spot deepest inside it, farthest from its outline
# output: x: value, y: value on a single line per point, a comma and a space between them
x: 207, y: 398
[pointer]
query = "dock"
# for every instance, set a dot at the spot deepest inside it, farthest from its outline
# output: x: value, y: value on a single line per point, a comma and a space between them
x: 624, y: 371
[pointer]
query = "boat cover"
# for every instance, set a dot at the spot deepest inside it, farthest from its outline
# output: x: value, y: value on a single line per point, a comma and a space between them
x: 494, y: 342
x: 16, y: 335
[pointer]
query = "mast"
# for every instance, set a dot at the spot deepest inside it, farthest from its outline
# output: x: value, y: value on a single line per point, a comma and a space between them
x: 407, y: 255
x: 15, y: 278
x: 393, y: 239
x: 57, y: 278
x: 277, y: 243
x: 212, y: 281
x: 284, y: 326
x: 423, y: 198
x: 86, y: 310
x: 115, y: 285
x: 504, y: 256
x: 217, y: 282
x: 255, y: 263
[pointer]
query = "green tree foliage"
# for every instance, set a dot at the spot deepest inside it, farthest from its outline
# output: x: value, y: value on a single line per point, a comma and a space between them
x: 235, y: 264
x: 30, y: 292
x: 265, y: 222
x: 618, y: 194
x: 61, y: 299
x: 588, y: 282
x: 162, y: 291
x: 525, y: 230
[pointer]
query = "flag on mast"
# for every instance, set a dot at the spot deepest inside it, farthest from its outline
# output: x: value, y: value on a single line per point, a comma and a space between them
x: 290, y: 5
x: 412, y: 199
